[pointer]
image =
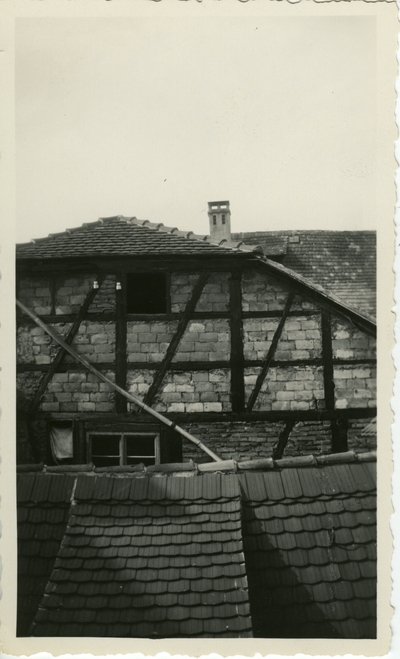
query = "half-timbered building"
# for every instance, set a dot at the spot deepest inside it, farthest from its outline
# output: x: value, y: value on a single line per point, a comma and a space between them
x: 220, y: 337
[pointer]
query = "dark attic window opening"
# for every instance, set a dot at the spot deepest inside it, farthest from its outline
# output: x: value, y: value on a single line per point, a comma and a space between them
x: 119, y: 449
x: 214, y: 220
x: 147, y: 292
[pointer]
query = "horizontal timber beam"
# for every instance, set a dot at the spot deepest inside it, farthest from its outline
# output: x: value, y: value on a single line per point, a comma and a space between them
x: 195, y: 366
x: 213, y: 417
x: 108, y: 316
x: 57, y: 267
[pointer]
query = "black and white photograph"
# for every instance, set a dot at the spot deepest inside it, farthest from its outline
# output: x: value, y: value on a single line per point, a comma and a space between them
x: 201, y: 226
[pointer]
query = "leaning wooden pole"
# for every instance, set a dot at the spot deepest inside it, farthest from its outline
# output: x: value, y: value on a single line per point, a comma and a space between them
x: 54, y: 335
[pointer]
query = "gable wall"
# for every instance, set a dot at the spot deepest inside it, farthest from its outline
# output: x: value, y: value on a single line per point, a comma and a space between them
x: 295, y: 383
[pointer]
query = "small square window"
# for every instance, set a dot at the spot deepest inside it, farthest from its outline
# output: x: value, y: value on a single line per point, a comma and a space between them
x: 146, y: 292
x: 117, y: 449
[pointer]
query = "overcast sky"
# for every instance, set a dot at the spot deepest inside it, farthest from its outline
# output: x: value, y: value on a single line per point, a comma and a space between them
x: 153, y: 117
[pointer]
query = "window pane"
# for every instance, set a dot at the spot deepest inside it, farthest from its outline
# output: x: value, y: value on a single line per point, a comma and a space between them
x: 105, y: 445
x: 140, y: 445
x: 147, y: 292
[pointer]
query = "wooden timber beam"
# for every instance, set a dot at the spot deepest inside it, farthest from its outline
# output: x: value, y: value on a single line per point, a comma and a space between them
x: 197, y: 315
x: 120, y: 342
x: 52, y: 369
x: 113, y: 385
x: 237, y: 357
x: 270, y: 354
x: 283, y: 439
x: 211, y: 417
x: 171, y: 350
x: 338, y: 429
x: 200, y: 366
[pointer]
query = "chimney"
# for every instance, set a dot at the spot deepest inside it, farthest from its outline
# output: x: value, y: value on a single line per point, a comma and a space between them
x: 219, y: 216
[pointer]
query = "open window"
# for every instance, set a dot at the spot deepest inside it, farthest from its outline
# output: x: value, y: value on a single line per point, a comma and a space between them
x: 147, y: 292
x: 109, y: 449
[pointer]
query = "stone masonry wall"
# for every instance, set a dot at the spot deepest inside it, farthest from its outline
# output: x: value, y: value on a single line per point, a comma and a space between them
x: 69, y: 294
x: 35, y: 293
x: 70, y: 392
x: 244, y: 440
x: 206, y: 340
x: 261, y: 293
x: 287, y: 388
x: 355, y: 385
x: 95, y: 340
x: 300, y: 338
x: 194, y: 391
x: 35, y: 346
x: 148, y: 341
x: 215, y: 295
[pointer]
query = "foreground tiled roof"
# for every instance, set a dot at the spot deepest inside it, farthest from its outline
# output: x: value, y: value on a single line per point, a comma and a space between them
x: 310, y: 546
x: 149, y: 557
x: 120, y: 236
x: 43, y: 511
x: 342, y: 262
x: 150, y: 554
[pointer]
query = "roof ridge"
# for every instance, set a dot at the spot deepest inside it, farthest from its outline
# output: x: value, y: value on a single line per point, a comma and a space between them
x: 260, y: 464
x: 190, y: 235
x: 153, y: 226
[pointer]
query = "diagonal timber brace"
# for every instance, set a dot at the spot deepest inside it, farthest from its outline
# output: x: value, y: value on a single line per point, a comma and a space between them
x: 183, y: 323
x: 68, y: 339
x: 270, y: 354
x: 54, y: 335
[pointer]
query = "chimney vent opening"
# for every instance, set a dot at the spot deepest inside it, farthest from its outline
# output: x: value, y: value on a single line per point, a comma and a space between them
x: 219, y: 215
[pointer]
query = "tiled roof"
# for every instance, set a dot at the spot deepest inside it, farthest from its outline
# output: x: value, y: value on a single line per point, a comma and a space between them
x: 342, y: 262
x: 126, y: 236
x: 149, y: 557
x: 157, y: 555
x: 310, y: 547
x: 43, y: 510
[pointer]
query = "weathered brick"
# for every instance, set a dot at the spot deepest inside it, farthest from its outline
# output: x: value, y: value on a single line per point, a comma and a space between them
x: 189, y: 397
x: 86, y: 407
x: 77, y: 377
x: 200, y: 377
x: 344, y: 354
x: 99, y: 338
x: 155, y: 357
x: 176, y: 407
x: 42, y: 359
x: 64, y: 397
x: 209, y: 397
x: 212, y: 407
x: 195, y: 407
x: 68, y: 407
x: 50, y: 407
x: 60, y: 377
x: 137, y: 357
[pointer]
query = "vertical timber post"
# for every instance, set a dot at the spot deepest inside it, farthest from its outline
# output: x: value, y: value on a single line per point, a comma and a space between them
x: 120, y: 342
x: 237, y: 358
x: 338, y: 431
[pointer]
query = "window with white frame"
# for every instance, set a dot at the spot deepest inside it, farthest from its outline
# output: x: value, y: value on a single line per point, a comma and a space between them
x: 112, y: 449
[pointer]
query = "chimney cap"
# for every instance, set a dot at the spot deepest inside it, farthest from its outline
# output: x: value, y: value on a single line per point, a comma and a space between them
x: 218, y: 205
